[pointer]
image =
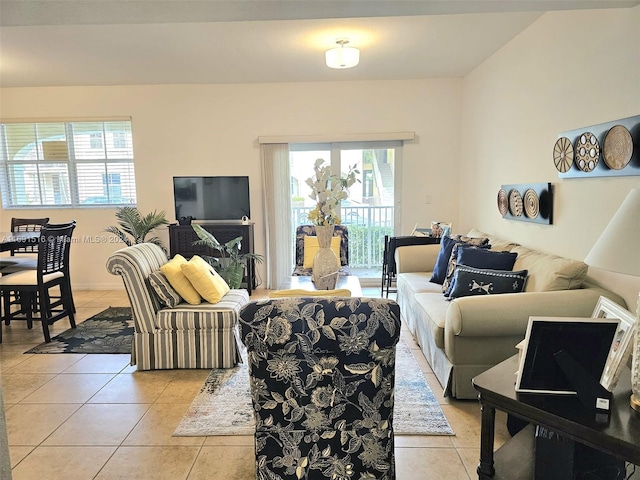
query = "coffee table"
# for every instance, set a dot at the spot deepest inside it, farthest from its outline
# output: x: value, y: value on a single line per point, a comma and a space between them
x: 305, y: 283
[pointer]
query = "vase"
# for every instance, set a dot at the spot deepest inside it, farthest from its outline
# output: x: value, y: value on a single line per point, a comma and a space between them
x: 326, y: 265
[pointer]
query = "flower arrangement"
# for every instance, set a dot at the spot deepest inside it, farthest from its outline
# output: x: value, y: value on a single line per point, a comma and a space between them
x: 328, y: 189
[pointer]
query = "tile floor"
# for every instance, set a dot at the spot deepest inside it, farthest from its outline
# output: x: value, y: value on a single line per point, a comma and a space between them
x: 80, y: 417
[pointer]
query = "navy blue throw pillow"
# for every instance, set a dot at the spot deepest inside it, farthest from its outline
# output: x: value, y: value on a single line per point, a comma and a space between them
x: 481, y: 258
x: 476, y: 281
x: 440, y: 268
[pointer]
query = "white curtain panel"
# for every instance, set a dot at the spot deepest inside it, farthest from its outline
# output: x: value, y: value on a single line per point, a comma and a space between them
x: 277, y: 201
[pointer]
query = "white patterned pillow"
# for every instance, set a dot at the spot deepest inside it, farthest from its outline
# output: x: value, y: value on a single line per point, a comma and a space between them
x: 166, y: 293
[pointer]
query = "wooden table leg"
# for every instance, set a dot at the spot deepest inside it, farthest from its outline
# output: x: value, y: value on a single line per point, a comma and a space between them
x: 485, y: 467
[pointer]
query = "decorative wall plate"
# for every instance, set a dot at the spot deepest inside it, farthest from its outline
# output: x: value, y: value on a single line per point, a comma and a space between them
x: 563, y: 154
x: 531, y: 203
x: 515, y: 203
x: 503, y: 202
x: 617, y: 147
x: 587, y: 151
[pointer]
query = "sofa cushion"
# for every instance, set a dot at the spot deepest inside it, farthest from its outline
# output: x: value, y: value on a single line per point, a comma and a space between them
x: 549, y: 272
x: 163, y: 289
x: 417, y: 282
x: 497, y: 243
x: 311, y: 247
x: 207, y: 282
x: 173, y: 271
x: 446, y: 246
x: 468, y: 281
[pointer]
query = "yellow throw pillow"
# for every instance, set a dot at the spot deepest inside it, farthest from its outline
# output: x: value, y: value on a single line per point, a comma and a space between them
x: 311, y: 247
x: 208, y: 283
x: 173, y: 271
x: 296, y: 292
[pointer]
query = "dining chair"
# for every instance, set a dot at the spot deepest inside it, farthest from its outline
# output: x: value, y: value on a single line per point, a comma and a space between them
x: 33, y: 287
x: 22, y: 256
x: 322, y: 374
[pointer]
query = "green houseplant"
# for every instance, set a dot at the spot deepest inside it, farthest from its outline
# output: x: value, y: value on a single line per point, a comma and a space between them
x: 134, y: 227
x: 230, y: 265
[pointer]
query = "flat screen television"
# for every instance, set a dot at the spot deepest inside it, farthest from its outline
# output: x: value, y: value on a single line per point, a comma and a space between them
x: 211, y: 198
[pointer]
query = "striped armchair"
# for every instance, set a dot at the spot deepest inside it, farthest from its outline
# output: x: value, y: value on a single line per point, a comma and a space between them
x: 185, y: 336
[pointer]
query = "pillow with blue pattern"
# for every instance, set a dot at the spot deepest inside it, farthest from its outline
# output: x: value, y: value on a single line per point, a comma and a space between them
x: 444, y: 255
x: 470, y: 281
x: 477, y: 257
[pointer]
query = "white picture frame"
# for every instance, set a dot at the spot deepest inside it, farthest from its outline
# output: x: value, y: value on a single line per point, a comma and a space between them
x: 622, y: 342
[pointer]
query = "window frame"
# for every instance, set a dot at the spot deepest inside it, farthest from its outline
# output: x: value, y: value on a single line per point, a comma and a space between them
x: 111, y: 161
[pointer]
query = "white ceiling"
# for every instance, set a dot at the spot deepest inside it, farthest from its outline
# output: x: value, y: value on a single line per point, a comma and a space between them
x: 128, y: 42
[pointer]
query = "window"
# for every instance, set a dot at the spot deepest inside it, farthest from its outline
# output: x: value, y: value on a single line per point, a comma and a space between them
x: 73, y: 164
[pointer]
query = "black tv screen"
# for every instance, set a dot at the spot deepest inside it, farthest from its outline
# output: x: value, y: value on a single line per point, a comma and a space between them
x: 211, y: 198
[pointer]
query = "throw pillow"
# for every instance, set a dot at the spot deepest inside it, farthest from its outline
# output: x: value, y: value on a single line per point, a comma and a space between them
x: 173, y: 271
x: 207, y: 282
x: 166, y: 293
x: 446, y: 245
x: 453, y: 262
x: 470, y: 281
x: 478, y: 257
x: 311, y: 247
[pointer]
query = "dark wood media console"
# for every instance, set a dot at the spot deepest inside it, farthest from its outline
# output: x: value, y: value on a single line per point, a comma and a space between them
x: 181, y: 238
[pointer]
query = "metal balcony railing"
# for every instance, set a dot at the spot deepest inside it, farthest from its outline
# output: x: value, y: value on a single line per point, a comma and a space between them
x: 367, y: 227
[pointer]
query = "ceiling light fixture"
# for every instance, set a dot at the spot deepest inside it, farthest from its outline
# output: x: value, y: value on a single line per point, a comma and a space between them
x: 342, y: 57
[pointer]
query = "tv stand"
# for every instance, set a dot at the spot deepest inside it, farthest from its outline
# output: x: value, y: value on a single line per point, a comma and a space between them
x: 181, y: 238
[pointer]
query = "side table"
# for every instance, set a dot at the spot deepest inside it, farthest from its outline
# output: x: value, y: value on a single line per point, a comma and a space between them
x: 616, y: 435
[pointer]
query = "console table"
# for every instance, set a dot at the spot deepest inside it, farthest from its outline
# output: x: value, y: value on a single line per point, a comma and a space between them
x: 616, y: 435
x: 181, y: 238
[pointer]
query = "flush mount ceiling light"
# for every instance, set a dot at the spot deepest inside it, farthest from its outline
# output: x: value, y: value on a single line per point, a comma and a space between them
x: 342, y: 56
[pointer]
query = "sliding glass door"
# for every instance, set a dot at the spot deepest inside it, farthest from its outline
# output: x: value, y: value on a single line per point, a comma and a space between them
x: 369, y: 211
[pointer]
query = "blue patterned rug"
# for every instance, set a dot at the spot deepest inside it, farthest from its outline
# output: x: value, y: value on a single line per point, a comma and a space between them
x: 223, y: 406
x: 110, y: 331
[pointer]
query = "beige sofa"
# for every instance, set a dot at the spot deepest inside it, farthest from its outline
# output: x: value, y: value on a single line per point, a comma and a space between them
x: 466, y: 336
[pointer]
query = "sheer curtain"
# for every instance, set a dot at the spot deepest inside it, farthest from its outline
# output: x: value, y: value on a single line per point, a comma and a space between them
x: 277, y: 201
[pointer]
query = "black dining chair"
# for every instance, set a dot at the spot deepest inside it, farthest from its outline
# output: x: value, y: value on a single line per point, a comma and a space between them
x: 23, y: 255
x: 32, y: 288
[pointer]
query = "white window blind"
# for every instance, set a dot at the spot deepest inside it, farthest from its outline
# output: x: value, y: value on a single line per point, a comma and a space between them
x: 72, y: 164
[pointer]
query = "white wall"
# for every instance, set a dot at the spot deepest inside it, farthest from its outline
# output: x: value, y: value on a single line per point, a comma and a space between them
x: 213, y: 130
x: 566, y: 71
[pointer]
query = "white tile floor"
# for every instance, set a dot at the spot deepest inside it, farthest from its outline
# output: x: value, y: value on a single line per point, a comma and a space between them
x: 85, y: 417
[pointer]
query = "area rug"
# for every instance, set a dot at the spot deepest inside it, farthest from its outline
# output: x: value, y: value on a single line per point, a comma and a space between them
x: 110, y: 331
x: 223, y: 406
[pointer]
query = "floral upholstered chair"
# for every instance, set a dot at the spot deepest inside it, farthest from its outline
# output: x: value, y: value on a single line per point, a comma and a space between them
x: 322, y: 380
x: 302, y: 231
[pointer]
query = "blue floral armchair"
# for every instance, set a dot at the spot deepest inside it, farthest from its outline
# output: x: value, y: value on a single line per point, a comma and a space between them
x: 322, y: 376
x: 309, y: 230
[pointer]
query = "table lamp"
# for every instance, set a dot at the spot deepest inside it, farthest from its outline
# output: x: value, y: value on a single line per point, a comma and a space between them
x: 618, y: 250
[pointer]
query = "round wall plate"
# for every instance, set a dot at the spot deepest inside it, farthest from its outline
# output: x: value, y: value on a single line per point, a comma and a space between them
x: 563, y: 154
x: 515, y: 203
x: 587, y: 151
x: 531, y: 203
x: 617, y: 147
x: 503, y: 202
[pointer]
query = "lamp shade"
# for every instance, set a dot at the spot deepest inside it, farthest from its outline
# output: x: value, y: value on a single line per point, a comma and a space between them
x: 342, y: 57
x: 618, y: 248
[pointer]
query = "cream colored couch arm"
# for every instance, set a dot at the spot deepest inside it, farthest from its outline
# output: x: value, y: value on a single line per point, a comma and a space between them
x: 416, y: 258
x: 508, y: 314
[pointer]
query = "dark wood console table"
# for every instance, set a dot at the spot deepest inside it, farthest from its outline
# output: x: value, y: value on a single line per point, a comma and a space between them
x: 181, y: 238
x: 618, y: 435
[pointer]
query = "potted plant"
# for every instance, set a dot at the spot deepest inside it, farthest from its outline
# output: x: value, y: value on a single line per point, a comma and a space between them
x: 134, y: 227
x: 231, y: 263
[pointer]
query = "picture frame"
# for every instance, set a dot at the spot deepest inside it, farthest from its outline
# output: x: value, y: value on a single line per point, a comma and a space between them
x: 587, y: 341
x: 622, y: 342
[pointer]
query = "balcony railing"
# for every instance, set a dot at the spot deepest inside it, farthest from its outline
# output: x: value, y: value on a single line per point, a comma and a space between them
x: 367, y: 227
